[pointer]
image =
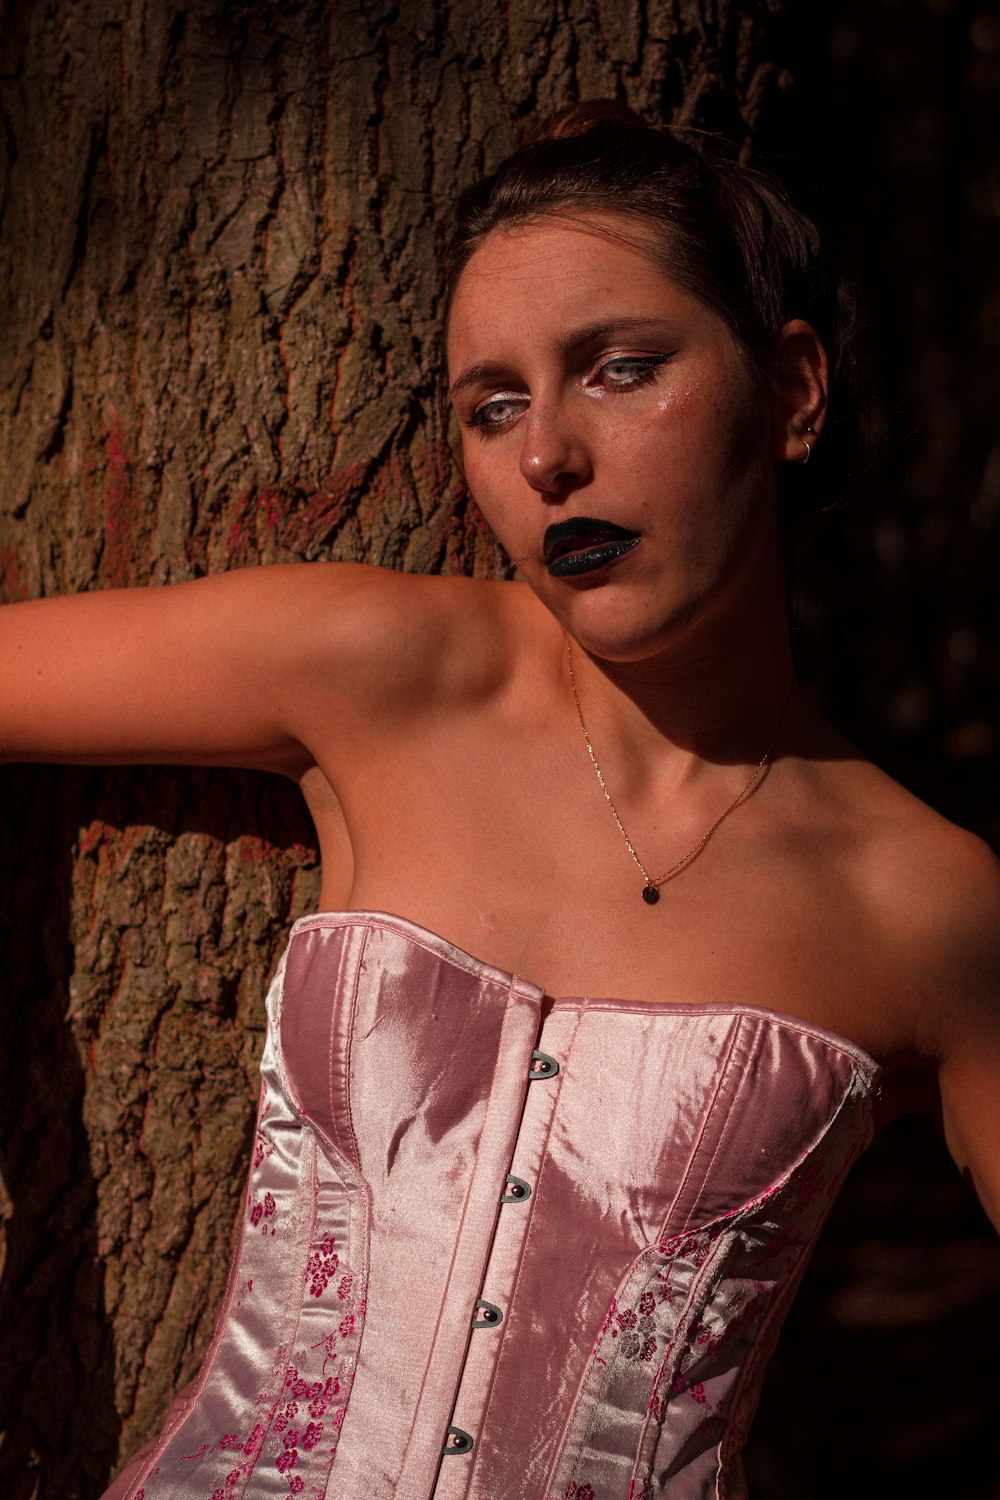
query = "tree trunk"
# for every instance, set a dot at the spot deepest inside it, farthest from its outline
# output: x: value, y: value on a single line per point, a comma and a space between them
x: 219, y: 265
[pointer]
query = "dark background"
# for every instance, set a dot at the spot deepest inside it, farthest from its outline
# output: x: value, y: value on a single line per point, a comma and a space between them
x: 900, y: 621
x: 896, y: 1329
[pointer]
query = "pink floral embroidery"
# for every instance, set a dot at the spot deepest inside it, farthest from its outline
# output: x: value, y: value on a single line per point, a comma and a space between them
x: 299, y: 1431
x: 580, y: 1492
x: 345, y: 1328
x: 322, y: 1266
x: 698, y: 1393
x: 636, y: 1330
x: 265, y: 1211
x: 263, y: 1146
x: 322, y: 1395
x: 695, y: 1247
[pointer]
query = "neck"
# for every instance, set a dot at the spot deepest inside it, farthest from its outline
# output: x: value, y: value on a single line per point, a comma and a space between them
x: 713, y: 693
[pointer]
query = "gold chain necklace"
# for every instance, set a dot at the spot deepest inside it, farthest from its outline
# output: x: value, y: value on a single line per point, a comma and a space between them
x: 651, y: 887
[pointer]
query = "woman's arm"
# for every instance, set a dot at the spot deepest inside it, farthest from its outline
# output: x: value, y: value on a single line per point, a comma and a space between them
x: 225, y: 670
x: 961, y: 1013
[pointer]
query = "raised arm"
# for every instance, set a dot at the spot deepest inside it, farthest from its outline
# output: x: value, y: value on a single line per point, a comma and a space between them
x: 960, y: 1009
x: 225, y: 670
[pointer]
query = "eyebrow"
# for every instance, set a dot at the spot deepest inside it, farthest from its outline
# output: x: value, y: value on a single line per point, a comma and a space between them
x: 486, y: 370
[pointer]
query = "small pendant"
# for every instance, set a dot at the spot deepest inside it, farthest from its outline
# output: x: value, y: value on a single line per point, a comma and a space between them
x: 650, y: 895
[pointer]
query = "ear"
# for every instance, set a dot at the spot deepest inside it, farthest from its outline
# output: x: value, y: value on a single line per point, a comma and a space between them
x: 800, y: 372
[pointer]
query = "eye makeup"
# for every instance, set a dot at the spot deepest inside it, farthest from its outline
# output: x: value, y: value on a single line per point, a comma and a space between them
x: 496, y: 413
x: 618, y: 374
x: 624, y: 372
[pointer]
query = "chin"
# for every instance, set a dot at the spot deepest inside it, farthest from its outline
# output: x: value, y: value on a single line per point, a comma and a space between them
x: 624, y: 636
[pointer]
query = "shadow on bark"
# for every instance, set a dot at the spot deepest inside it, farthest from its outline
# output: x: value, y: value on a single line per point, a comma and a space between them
x: 142, y: 913
x: 56, y: 1374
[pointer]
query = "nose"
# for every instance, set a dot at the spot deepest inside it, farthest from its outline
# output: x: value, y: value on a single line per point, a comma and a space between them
x: 555, y: 458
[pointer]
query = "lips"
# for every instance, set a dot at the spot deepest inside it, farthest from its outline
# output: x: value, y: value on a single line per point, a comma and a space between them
x: 581, y: 544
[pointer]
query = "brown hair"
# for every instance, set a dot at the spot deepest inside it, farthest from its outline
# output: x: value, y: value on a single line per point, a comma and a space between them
x: 724, y: 231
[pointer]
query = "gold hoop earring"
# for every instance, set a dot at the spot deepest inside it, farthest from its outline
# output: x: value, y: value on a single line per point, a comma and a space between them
x: 807, y: 446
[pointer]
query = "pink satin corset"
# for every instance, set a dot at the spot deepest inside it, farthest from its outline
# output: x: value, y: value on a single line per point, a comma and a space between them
x: 498, y: 1257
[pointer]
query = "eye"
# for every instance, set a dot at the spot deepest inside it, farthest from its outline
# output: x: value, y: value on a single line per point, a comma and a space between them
x: 497, y: 413
x: 626, y: 371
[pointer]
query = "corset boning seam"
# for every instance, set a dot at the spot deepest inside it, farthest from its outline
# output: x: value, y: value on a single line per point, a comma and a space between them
x: 353, y: 1187
x: 652, y: 1252
x: 507, y: 1333
x: 767, y: 1335
x: 414, y: 1452
x: 645, y: 1451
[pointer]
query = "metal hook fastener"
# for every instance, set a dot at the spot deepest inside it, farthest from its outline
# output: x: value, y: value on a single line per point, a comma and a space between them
x: 490, y: 1316
x: 547, y: 1067
x: 457, y: 1441
x: 517, y: 1190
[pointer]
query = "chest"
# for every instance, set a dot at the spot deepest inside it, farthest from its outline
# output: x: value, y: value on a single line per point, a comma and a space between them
x: 518, y: 860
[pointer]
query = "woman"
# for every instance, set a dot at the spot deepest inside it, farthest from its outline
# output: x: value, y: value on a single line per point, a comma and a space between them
x: 499, y: 1242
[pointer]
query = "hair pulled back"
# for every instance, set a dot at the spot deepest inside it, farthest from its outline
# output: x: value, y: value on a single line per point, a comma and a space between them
x: 724, y: 231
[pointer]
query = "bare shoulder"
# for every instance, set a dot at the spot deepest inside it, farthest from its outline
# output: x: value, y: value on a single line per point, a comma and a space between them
x: 939, y: 888
x: 377, y: 655
x: 953, y: 920
x: 366, y: 615
x: 400, y: 637
x: 932, y: 890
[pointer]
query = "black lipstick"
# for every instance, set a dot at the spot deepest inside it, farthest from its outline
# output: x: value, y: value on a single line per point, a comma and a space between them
x: 582, y: 544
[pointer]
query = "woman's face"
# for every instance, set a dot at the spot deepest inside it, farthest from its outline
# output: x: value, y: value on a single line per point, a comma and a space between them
x: 612, y: 434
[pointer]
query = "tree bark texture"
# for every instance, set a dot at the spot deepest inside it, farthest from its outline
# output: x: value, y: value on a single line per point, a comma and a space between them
x: 219, y: 264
